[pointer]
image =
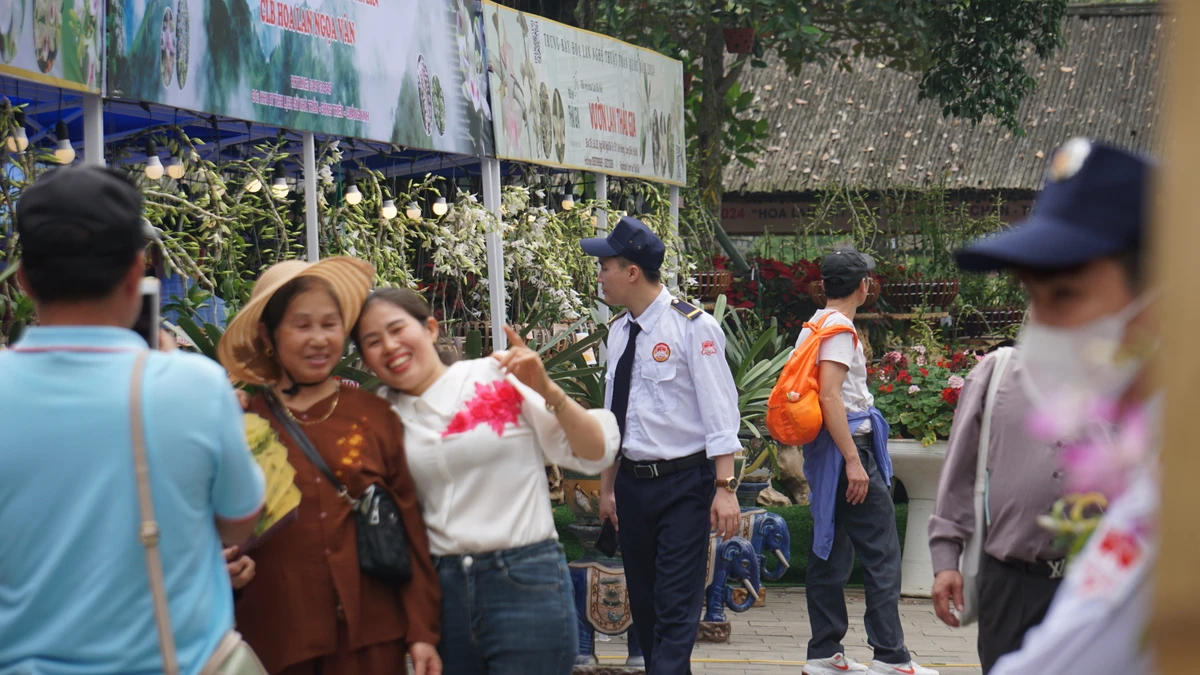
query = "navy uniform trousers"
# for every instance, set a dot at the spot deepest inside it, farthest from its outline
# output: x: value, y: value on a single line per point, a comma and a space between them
x: 663, y: 527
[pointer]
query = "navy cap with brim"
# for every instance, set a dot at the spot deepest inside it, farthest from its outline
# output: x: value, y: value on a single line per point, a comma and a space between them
x: 599, y: 247
x: 1041, y: 243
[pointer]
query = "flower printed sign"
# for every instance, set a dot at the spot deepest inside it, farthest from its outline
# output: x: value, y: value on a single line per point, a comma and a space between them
x: 55, y: 42
x: 569, y: 98
x: 409, y: 72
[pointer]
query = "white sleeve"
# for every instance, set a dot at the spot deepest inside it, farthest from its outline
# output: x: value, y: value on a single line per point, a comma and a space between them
x: 716, y: 391
x: 552, y: 438
x: 837, y: 348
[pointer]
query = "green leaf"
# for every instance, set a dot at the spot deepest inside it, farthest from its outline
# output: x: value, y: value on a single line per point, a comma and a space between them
x: 10, y: 270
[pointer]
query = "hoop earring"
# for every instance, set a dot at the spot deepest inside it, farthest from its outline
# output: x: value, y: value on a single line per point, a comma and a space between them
x: 269, y: 351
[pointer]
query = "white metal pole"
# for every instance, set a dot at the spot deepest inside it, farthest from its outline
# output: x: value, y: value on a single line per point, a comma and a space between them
x: 495, y: 252
x: 310, y: 196
x: 673, y: 263
x: 602, y: 230
x: 93, y: 130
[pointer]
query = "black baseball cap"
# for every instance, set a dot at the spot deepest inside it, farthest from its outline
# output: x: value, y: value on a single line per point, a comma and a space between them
x: 845, y: 268
x: 629, y: 239
x: 1093, y: 205
x: 80, y: 212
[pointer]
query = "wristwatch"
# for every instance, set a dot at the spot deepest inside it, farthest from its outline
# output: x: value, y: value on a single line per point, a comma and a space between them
x: 730, y: 484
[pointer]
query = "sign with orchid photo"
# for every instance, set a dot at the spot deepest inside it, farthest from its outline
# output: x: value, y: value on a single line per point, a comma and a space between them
x: 408, y: 72
x: 572, y: 99
x: 55, y: 42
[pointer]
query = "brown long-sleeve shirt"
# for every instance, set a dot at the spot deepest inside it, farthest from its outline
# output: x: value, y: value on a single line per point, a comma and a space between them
x: 1025, y: 476
x: 308, y: 574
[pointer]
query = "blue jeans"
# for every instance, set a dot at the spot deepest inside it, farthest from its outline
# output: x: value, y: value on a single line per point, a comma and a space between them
x: 508, y: 612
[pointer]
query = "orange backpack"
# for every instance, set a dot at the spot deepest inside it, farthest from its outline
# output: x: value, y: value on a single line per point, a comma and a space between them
x: 793, y: 410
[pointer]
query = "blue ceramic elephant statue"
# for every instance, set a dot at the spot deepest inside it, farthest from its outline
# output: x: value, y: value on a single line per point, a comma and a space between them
x: 770, y: 537
x: 736, y: 561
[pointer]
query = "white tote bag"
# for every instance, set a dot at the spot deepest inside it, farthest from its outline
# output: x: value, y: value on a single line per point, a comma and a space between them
x: 972, y: 556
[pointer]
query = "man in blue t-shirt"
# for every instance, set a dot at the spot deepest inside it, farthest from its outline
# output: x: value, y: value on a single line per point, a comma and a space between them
x: 74, y: 591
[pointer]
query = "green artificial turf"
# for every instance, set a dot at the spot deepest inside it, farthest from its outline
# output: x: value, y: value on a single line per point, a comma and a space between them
x: 799, y: 521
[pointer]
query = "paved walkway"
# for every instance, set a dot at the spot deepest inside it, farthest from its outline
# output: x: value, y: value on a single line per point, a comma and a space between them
x: 774, y: 638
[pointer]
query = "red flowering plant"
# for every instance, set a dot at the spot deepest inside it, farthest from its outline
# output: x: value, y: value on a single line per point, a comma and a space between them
x: 917, y: 391
x: 778, y: 290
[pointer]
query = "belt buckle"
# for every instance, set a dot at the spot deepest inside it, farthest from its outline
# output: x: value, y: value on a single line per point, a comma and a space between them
x: 1057, y: 567
x: 645, y: 470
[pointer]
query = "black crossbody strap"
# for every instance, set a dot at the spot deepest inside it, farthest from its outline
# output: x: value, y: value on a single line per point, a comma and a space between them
x: 306, y: 445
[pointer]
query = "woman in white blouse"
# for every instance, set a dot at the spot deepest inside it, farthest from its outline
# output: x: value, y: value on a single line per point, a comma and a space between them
x: 478, y: 435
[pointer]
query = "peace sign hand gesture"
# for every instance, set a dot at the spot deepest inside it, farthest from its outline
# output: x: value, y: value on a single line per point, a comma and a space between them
x: 526, y: 365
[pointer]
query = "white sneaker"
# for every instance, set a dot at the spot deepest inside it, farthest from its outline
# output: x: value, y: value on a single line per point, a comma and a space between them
x: 834, y: 665
x: 910, y: 668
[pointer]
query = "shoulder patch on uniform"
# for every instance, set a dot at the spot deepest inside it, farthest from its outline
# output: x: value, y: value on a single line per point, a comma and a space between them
x: 686, y: 309
x: 619, y: 315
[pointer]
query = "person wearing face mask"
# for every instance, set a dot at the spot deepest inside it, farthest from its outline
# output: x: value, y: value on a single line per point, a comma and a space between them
x: 1086, y: 347
x: 1022, y: 565
x: 479, y: 434
x: 311, y: 608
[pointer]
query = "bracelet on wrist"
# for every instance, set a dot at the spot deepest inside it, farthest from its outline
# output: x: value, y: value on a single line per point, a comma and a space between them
x: 557, y: 407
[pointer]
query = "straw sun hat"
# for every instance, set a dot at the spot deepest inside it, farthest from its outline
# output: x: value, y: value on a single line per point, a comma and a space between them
x: 242, y: 351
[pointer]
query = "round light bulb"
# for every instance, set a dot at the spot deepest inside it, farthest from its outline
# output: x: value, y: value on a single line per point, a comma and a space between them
x: 412, y: 211
x: 353, y: 195
x: 254, y: 184
x: 19, y: 140
x: 440, y: 207
x: 279, y: 187
x: 64, y: 153
x: 175, y: 168
x: 154, y: 167
x: 389, y: 209
x: 568, y: 202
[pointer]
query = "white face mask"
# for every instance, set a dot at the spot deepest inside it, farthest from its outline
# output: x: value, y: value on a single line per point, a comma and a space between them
x: 1082, y: 362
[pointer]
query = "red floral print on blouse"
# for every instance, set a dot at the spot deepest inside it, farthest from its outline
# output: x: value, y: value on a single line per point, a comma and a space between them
x: 497, y: 405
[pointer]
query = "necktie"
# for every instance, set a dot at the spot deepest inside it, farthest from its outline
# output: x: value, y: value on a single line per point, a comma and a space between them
x: 621, y: 378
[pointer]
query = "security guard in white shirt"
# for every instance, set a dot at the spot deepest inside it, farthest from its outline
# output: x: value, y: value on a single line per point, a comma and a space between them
x: 671, y: 390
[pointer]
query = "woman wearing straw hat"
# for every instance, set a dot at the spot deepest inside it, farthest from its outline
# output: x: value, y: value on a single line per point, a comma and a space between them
x: 479, y: 435
x: 310, y: 608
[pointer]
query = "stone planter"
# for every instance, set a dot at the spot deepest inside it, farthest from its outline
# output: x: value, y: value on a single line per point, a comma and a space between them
x: 747, y: 493
x: 919, y: 469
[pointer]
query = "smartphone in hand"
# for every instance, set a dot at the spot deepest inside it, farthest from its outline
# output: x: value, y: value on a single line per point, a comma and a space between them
x: 149, y: 321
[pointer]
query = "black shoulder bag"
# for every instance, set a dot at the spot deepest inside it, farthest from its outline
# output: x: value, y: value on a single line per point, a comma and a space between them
x: 382, y: 543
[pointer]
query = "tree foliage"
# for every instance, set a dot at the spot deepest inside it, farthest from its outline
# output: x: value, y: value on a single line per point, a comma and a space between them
x: 965, y: 54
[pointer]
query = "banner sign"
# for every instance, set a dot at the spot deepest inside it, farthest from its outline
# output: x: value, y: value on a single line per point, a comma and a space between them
x: 573, y: 99
x: 409, y: 72
x: 56, y: 42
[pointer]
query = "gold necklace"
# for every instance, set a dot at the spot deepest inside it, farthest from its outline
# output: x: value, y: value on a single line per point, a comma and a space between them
x: 337, y: 395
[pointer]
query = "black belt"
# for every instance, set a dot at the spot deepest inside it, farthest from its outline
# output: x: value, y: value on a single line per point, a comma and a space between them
x: 1051, y: 569
x: 663, y: 467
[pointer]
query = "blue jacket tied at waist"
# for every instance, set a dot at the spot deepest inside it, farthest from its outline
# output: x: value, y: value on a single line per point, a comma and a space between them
x: 823, y: 465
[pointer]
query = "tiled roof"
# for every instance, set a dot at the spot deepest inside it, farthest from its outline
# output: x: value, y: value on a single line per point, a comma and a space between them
x: 865, y: 128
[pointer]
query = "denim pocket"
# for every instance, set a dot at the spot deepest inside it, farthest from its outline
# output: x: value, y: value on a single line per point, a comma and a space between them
x: 541, y: 573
